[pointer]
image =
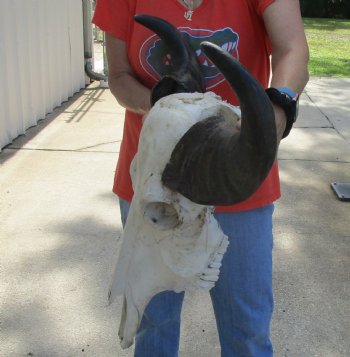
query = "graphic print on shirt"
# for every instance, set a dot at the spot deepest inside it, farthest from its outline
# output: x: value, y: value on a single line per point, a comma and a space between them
x: 156, y: 60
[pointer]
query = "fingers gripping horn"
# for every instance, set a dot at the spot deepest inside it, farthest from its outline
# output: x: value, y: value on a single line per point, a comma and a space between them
x: 213, y: 164
x: 186, y: 76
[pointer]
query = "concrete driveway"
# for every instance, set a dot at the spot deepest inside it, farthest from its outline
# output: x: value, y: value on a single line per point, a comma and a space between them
x: 60, y: 230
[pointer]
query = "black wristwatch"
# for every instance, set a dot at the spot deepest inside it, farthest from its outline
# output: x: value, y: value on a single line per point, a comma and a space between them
x: 288, y: 101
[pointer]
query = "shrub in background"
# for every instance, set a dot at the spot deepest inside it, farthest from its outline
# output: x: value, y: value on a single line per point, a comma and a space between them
x: 339, y: 9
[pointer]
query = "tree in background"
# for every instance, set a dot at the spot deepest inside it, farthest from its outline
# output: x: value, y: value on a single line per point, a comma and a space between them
x: 326, y: 8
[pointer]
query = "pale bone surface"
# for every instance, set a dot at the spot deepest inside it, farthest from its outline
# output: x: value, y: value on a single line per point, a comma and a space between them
x: 169, y: 242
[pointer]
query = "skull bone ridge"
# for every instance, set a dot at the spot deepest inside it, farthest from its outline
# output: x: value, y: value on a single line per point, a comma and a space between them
x: 169, y: 242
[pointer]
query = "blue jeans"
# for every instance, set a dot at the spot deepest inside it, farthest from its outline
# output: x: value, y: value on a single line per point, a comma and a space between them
x: 242, y: 298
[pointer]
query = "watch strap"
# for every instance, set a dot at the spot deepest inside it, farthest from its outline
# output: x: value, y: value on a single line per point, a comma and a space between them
x: 287, y: 99
x: 288, y: 91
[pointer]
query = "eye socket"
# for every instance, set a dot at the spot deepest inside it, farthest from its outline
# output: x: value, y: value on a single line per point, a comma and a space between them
x: 162, y: 215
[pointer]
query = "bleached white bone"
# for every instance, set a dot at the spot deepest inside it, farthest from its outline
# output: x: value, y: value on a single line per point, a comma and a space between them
x: 169, y: 242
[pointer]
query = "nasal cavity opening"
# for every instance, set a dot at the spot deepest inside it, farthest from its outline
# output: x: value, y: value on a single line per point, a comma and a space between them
x: 161, y: 214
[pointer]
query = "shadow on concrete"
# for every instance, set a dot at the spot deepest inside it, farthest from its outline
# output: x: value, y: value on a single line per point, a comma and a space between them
x: 85, y: 98
x: 61, y: 293
x: 311, y: 262
x: 93, y: 95
x: 61, y: 235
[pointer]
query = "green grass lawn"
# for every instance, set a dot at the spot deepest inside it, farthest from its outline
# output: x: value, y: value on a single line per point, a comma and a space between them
x: 329, y: 43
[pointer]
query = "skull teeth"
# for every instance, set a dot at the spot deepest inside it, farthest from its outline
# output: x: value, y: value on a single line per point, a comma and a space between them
x: 210, y: 272
x: 215, y: 265
x: 205, y: 285
x: 210, y: 275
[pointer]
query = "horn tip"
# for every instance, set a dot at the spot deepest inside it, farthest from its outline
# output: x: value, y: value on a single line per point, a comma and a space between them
x: 141, y: 17
x: 209, y: 46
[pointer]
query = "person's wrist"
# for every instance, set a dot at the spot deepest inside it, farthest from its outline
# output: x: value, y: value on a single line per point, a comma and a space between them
x: 286, y: 99
x: 280, y: 120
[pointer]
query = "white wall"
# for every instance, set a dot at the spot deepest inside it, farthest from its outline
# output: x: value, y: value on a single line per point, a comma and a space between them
x: 41, y: 60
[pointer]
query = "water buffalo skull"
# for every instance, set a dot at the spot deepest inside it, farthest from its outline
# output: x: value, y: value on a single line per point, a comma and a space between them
x: 191, y: 156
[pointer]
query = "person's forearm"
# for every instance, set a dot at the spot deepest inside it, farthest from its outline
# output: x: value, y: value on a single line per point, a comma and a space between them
x: 130, y: 93
x: 290, y: 52
x: 288, y: 70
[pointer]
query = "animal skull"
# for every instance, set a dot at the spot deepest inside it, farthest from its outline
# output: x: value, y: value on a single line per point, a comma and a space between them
x: 169, y: 242
x: 190, y: 156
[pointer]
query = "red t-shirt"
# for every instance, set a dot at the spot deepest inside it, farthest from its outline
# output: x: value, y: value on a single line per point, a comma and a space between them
x: 235, y: 25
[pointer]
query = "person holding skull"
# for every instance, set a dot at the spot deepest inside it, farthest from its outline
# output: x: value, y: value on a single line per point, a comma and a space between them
x: 250, y: 31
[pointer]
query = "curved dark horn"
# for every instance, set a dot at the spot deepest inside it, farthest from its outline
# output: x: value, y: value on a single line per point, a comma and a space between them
x: 186, y: 75
x: 213, y: 163
x: 258, y: 120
